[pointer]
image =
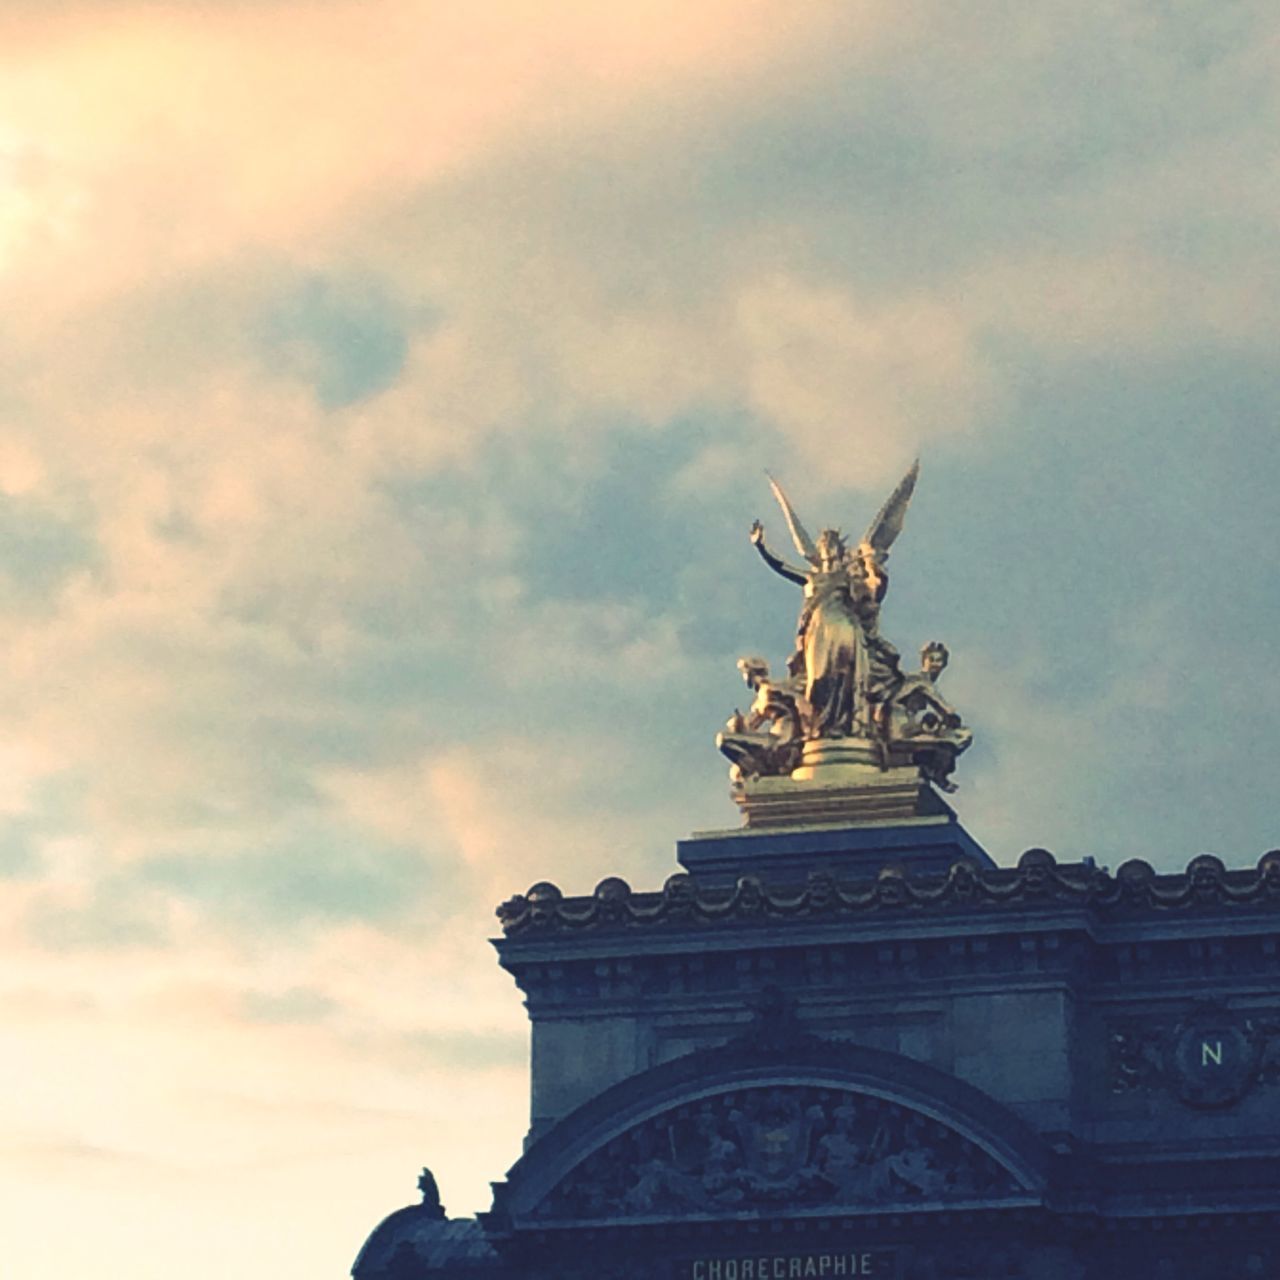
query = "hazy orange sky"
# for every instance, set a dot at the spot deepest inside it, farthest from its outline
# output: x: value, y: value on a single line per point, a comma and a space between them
x: 385, y: 391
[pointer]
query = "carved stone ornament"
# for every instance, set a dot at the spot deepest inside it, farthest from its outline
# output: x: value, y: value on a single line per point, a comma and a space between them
x: 431, y: 1206
x: 1136, y: 890
x: 774, y: 1148
x: 1209, y: 1059
x: 1214, y: 1058
x: 1137, y: 1059
x: 845, y: 719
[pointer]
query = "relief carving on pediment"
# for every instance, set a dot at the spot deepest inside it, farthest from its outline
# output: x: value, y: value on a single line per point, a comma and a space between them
x: 775, y: 1148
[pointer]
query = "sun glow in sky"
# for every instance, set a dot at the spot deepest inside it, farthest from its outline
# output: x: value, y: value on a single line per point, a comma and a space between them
x: 385, y: 394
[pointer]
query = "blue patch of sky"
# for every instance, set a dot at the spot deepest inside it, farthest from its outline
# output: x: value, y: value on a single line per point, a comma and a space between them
x: 618, y: 535
x: 1122, y: 518
x: 287, y: 740
x: 410, y: 674
x: 40, y: 548
x: 19, y: 855
x: 53, y: 808
x: 624, y: 532
x: 318, y: 873
x: 346, y: 337
x: 613, y: 527
x: 900, y: 170
x: 616, y: 529
x: 1110, y: 487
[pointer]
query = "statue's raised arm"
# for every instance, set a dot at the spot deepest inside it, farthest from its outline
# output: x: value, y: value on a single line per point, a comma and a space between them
x: 799, y: 535
x: 775, y: 562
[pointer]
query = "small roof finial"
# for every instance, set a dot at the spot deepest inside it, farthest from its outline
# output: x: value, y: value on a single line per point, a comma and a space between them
x: 430, y: 1193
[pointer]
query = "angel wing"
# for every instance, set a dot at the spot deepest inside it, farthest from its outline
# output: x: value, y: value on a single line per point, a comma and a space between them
x: 882, y: 531
x: 799, y: 534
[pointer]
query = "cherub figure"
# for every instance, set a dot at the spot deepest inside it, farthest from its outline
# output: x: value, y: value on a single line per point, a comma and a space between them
x: 921, y: 718
x: 767, y: 740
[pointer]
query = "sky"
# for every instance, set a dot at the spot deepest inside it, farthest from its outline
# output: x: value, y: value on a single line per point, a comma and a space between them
x: 386, y: 390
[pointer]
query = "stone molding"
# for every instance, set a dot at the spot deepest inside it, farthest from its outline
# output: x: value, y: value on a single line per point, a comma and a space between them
x: 1136, y: 889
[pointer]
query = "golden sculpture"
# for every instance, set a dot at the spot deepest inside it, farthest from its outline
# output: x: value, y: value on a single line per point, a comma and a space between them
x: 770, y: 737
x: 850, y: 670
x: 847, y: 713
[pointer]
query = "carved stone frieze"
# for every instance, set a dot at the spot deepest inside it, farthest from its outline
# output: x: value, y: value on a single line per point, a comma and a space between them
x: 1135, y: 889
x: 1209, y: 1058
x: 776, y: 1148
x: 1136, y: 1059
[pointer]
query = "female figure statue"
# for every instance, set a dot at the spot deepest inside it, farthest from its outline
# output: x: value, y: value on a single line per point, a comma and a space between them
x: 850, y: 670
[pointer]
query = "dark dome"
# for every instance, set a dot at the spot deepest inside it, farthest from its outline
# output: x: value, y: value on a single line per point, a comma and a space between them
x: 418, y: 1235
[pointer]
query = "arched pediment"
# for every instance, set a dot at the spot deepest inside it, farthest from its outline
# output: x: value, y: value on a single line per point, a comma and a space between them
x: 818, y: 1128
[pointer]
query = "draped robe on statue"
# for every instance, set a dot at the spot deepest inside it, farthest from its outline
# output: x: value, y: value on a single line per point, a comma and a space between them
x: 848, y: 665
x: 828, y: 636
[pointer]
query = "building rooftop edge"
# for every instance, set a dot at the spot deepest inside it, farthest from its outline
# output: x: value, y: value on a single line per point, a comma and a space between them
x: 685, y: 900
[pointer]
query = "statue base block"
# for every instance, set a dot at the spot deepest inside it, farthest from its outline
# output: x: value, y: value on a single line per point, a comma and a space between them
x: 839, y: 781
x: 899, y: 795
x: 857, y: 849
x: 848, y: 760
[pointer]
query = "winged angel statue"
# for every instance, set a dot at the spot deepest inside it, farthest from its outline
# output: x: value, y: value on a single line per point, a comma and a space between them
x: 845, y: 680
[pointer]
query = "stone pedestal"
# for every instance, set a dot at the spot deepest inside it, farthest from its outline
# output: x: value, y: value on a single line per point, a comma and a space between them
x: 787, y: 855
x: 833, y: 760
x: 839, y: 781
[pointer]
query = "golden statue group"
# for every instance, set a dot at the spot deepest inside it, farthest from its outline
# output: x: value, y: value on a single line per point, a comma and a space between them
x: 846, y: 711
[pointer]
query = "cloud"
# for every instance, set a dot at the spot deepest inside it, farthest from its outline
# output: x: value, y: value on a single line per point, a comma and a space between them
x: 510, y: 809
x: 40, y: 549
x: 346, y: 338
x: 103, y: 915
x: 309, y: 876
x: 70, y: 1156
x: 295, y: 1004
x: 856, y: 390
x: 244, y: 98
x: 18, y: 852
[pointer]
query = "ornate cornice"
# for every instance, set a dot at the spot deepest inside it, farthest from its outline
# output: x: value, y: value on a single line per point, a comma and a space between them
x: 1135, y: 889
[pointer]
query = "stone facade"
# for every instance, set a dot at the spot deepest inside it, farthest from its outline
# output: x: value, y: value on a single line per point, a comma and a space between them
x: 871, y: 1051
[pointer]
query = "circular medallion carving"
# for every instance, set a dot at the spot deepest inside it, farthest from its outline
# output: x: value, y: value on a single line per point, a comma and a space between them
x: 1214, y: 1057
